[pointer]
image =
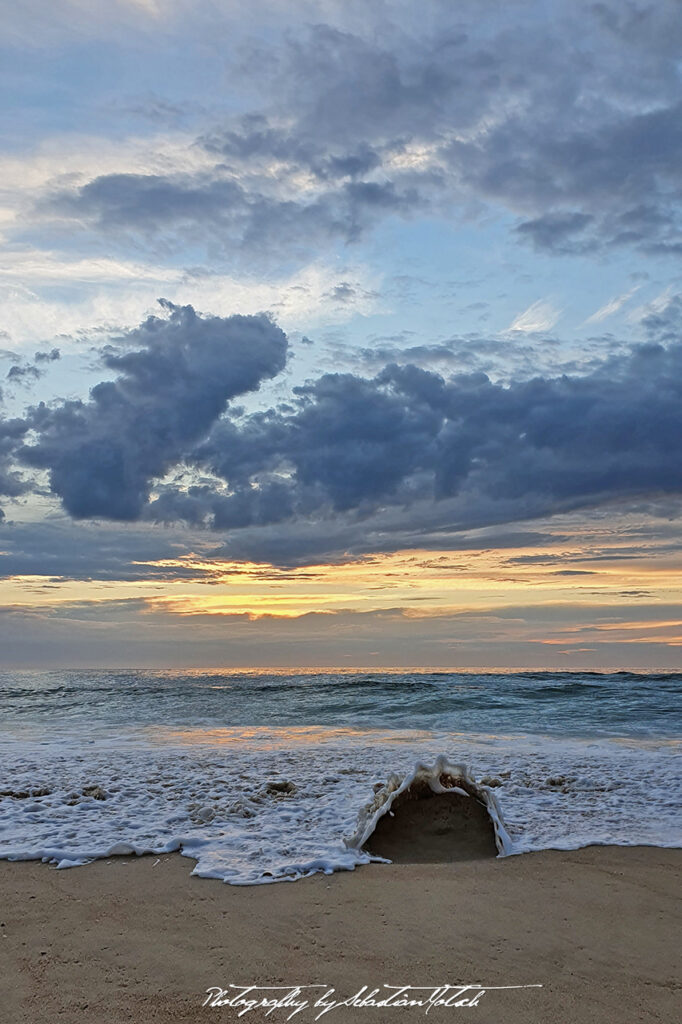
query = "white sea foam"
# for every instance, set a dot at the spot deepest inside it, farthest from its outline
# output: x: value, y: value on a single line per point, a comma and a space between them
x: 209, y: 794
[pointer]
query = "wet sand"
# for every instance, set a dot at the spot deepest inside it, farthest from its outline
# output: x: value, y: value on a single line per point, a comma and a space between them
x: 139, y: 939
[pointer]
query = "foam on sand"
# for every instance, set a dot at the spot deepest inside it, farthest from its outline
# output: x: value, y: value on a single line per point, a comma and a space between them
x: 436, y: 812
x: 248, y: 808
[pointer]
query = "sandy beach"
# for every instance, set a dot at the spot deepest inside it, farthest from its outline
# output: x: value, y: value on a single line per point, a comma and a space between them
x: 139, y: 939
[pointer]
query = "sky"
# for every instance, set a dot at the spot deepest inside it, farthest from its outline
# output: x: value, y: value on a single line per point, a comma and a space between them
x: 341, y: 334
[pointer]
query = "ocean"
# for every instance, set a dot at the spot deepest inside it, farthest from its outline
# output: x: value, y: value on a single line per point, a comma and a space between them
x: 259, y: 775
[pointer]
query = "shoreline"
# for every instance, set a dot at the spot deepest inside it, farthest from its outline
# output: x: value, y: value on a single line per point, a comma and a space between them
x: 141, y: 939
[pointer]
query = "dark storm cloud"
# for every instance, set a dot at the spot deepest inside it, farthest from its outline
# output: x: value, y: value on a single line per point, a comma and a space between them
x: 571, y: 122
x: 12, y: 432
x: 351, y: 449
x: 175, y: 378
x: 347, y: 462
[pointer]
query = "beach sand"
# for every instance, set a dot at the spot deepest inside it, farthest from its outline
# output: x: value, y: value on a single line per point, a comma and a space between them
x: 138, y: 939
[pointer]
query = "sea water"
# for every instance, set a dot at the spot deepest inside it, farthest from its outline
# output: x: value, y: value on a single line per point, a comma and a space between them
x: 259, y: 776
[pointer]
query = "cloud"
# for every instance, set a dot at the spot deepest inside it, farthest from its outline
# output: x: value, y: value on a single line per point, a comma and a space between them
x: 230, y: 214
x: 139, y: 633
x: 662, y: 318
x: 400, y: 454
x: 27, y: 373
x: 612, y: 306
x: 176, y: 376
x: 82, y: 299
x: 19, y: 374
x: 568, y: 125
x: 56, y: 548
x: 481, y: 451
x: 48, y: 357
x: 558, y: 232
x: 12, y: 432
x: 541, y: 316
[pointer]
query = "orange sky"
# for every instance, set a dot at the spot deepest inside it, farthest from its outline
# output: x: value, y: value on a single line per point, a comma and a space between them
x: 587, y: 599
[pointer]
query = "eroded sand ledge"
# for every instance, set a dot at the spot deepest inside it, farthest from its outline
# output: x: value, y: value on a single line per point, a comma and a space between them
x: 437, y: 828
x: 139, y: 939
x: 438, y: 813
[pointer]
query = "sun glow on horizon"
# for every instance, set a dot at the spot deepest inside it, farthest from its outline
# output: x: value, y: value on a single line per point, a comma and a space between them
x: 577, y: 596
